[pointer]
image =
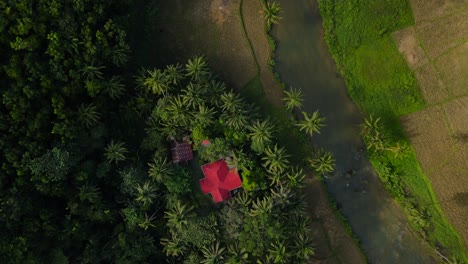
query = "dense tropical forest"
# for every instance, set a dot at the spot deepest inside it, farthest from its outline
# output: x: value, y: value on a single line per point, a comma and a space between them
x: 86, y: 175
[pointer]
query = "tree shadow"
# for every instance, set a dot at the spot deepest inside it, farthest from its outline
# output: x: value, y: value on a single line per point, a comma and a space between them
x: 461, y: 137
x: 461, y: 198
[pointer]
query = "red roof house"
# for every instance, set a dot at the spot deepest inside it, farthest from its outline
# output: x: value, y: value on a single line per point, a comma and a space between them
x: 181, y: 152
x: 219, y: 180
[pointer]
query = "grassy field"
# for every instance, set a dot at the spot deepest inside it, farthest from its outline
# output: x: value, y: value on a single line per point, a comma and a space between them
x: 381, y: 83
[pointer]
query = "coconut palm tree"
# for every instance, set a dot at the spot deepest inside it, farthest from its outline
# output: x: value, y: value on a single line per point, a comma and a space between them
x: 173, y: 246
x: 174, y: 73
x: 271, y: 13
x: 243, y: 199
x: 237, y: 254
x: 293, y: 99
x: 148, y: 222
x: 177, y: 215
x: 178, y: 110
x: 275, y: 159
x: 261, y: 134
x: 322, y: 162
x: 197, y: 68
x: 193, y: 95
x: 160, y: 168
x: 88, y: 115
x: 215, y: 88
x: 370, y: 126
x: 146, y: 193
x: 277, y: 252
x: 231, y: 102
x: 119, y: 55
x: 92, y: 71
x: 276, y: 178
x: 115, y: 88
x: 88, y: 193
x: 214, y: 254
x: 311, y: 124
x: 295, y: 178
x: 115, y: 151
x: 236, y: 121
x: 300, y: 224
x: 205, y: 116
x: 261, y: 207
x: 399, y: 150
x: 303, y: 247
x: 156, y: 81
x: 281, y: 195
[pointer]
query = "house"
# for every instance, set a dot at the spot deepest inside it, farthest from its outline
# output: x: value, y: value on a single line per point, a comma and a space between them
x: 219, y: 180
x: 181, y: 151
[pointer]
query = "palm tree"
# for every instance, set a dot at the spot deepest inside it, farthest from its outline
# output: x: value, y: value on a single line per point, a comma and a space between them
x: 276, y: 178
x: 193, y: 95
x: 296, y: 178
x: 322, y: 162
x: 300, y: 224
x: 243, y: 199
x: 275, y: 159
x: 115, y: 152
x: 173, y: 246
x: 159, y: 169
x: 278, y: 253
x: 303, y: 247
x: 115, y: 88
x: 177, y: 215
x: 148, y: 222
x: 169, y: 129
x: 261, y: 207
x: 237, y: 254
x: 312, y: 123
x: 261, y: 134
x: 88, y: 193
x: 120, y: 55
x: 231, y: 102
x: 236, y: 121
x: 293, y: 99
x: 92, y: 72
x: 271, y: 13
x: 281, y: 195
x: 399, y: 150
x: 215, y: 88
x: 156, y: 81
x: 197, y: 68
x: 174, y: 73
x: 178, y: 110
x: 205, y: 116
x: 370, y: 126
x: 88, y: 115
x: 213, y: 254
x: 146, y: 193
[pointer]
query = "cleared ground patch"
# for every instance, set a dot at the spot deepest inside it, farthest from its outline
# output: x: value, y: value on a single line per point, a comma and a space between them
x: 439, y: 133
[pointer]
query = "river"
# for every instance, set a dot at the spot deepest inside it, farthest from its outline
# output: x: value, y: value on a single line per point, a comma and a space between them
x: 303, y: 61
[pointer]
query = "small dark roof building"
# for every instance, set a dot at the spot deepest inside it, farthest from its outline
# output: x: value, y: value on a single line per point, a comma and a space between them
x: 219, y: 180
x: 181, y: 151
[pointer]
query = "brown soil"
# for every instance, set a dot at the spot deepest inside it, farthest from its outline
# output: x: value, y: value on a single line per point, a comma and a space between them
x: 200, y: 27
x: 254, y: 25
x: 439, y: 133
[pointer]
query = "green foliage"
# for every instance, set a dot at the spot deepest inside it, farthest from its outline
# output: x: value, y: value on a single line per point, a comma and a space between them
x: 322, y: 162
x: 380, y: 82
x: 293, y: 98
x: 115, y: 152
x: 271, y: 13
x: 311, y: 124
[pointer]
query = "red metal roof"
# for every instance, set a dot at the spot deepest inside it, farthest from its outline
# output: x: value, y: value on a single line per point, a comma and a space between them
x: 181, y: 152
x: 219, y: 180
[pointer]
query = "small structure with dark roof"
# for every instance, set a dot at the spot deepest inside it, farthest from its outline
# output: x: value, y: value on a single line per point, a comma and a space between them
x: 181, y: 151
x: 219, y: 180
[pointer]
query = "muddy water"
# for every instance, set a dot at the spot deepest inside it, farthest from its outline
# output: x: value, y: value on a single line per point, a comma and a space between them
x: 303, y: 61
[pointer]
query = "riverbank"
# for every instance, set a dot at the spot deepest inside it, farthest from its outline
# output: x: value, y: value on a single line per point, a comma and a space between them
x: 381, y: 84
x: 214, y: 28
x: 267, y: 91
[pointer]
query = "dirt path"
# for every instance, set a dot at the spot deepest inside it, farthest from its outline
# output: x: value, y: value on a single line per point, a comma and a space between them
x: 334, y: 245
x: 436, y: 48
